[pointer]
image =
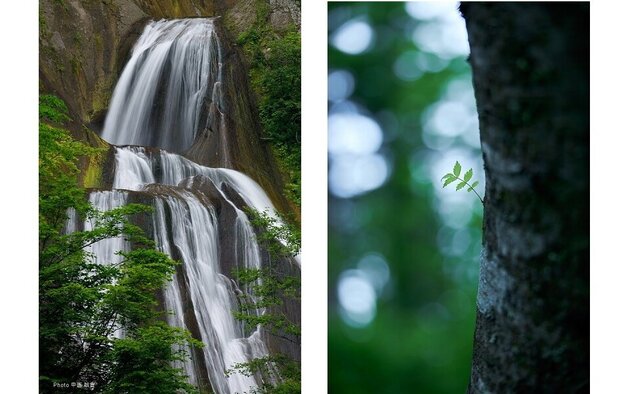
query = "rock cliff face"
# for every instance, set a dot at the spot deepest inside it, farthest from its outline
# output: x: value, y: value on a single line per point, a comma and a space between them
x: 84, y: 46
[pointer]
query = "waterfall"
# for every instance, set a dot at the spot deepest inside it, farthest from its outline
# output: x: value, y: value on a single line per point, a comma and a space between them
x: 134, y: 171
x: 159, y: 98
x: 168, y: 91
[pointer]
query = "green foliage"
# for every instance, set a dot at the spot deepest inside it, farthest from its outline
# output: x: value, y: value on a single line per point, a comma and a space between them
x: 275, y: 72
x: 457, y: 169
x: 270, y: 368
x: 289, y: 159
x: 468, y: 175
x: 53, y: 109
x: 268, y: 289
x: 449, y: 180
x: 454, y: 176
x: 280, y: 88
x: 81, y: 303
x: 58, y: 171
x: 279, y: 238
x: 142, y: 361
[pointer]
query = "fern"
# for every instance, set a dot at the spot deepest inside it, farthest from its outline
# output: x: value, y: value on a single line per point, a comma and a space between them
x: 463, y: 182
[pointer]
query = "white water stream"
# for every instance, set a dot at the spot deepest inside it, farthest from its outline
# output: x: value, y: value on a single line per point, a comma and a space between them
x: 158, y: 100
x: 136, y: 168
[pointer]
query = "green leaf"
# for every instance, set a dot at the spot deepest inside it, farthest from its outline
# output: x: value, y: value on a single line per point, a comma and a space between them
x: 468, y: 175
x: 472, y: 186
x: 460, y: 186
x: 449, y: 181
x: 448, y: 175
x: 457, y: 169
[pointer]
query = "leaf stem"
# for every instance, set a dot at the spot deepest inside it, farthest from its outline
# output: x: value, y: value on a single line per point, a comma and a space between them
x: 473, y: 189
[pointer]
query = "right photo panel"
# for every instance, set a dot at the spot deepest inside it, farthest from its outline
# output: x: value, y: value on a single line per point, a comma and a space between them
x: 458, y: 194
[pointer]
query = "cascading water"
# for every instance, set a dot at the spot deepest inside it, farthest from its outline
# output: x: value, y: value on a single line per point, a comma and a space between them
x: 162, y: 99
x: 195, y: 235
x: 137, y: 167
x: 159, y: 98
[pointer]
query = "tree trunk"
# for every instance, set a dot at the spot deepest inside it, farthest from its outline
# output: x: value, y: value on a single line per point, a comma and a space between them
x: 530, y: 64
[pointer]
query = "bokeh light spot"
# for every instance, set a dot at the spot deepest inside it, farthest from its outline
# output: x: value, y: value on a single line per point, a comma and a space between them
x: 425, y: 10
x: 353, y: 37
x: 357, y: 298
x: 351, y: 175
x: 448, y: 118
x: 443, y: 31
x: 353, y: 133
x: 340, y: 85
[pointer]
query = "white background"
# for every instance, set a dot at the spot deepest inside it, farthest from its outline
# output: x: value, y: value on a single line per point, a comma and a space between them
x: 610, y: 262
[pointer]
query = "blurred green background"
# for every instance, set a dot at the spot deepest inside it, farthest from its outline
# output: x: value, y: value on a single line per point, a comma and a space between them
x: 403, y: 252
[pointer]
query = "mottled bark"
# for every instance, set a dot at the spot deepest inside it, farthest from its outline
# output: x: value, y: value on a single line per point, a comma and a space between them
x: 530, y: 64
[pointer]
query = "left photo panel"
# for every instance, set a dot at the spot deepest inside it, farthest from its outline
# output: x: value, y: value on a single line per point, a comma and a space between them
x: 169, y: 196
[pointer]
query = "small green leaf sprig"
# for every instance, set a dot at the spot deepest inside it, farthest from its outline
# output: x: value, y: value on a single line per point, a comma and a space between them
x: 454, y: 176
